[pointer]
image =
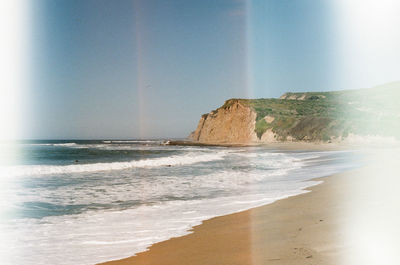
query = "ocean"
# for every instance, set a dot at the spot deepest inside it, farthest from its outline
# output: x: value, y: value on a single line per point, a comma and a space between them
x: 84, y: 202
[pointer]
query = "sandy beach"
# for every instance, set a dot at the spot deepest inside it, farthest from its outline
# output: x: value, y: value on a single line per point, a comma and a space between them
x: 297, y: 230
x: 337, y: 223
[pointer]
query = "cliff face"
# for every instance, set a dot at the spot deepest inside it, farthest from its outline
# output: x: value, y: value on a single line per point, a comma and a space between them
x: 229, y: 124
x: 311, y: 117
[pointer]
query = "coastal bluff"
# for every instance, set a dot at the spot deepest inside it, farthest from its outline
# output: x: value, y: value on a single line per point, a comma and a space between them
x: 231, y: 124
x: 361, y: 115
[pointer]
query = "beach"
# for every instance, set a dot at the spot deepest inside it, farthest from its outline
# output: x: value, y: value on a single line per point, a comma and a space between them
x: 344, y: 220
x: 246, y: 205
x: 297, y: 230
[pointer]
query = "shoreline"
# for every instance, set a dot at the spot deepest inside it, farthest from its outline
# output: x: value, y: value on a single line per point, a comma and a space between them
x: 284, y: 220
x: 311, y: 146
x: 349, y: 218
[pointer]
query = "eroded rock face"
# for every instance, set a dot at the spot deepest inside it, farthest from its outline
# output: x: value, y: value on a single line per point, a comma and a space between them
x: 234, y: 124
x: 269, y: 119
x: 268, y: 137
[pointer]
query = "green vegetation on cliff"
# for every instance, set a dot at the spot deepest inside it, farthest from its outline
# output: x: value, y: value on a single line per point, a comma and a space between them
x: 323, y: 116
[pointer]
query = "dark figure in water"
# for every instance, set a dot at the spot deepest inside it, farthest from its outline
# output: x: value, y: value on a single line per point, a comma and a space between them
x: 76, y: 161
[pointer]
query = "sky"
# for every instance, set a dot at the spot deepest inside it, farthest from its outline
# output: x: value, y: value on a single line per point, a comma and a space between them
x: 130, y: 69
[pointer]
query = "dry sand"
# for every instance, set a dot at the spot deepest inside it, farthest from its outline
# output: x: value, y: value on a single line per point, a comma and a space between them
x: 297, y: 230
x: 342, y: 221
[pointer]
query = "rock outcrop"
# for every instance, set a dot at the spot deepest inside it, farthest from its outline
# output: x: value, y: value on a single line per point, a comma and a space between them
x: 229, y: 124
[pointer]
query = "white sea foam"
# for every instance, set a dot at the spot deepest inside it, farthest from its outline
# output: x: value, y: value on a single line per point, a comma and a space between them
x: 50, y: 144
x: 186, y: 159
x: 124, y: 186
x: 101, y: 236
x: 34, y: 144
x: 132, y: 141
x: 167, y: 202
x: 149, y: 189
x: 66, y: 144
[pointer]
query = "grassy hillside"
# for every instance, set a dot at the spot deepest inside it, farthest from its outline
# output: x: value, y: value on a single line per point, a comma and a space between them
x: 328, y: 115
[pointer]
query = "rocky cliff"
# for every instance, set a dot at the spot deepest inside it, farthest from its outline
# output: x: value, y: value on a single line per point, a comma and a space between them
x: 229, y: 124
x: 312, y: 117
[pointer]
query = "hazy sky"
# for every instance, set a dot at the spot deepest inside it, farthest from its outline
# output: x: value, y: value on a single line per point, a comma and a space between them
x: 149, y: 69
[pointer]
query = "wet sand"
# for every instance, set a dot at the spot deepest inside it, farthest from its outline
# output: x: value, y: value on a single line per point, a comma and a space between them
x: 351, y: 218
x: 299, y: 230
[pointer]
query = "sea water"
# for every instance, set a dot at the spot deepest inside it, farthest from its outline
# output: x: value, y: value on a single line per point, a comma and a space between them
x: 84, y: 202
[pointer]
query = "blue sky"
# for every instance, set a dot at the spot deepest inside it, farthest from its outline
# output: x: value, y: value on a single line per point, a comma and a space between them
x: 150, y: 68
x: 291, y: 45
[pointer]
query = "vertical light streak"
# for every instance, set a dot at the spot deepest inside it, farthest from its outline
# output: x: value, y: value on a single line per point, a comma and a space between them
x: 249, y: 60
x: 140, y: 68
x: 14, y: 22
x: 13, y: 53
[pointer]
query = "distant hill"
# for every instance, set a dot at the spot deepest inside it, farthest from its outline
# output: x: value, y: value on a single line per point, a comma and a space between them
x: 308, y: 116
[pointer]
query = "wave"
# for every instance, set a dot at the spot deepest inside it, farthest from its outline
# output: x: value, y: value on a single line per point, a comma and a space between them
x: 143, y: 211
x: 37, y: 144
x: 130, y: 141
x: 98, y: 236
x: 177, y: 160
x: 66, y: 144
x: 49, y: 144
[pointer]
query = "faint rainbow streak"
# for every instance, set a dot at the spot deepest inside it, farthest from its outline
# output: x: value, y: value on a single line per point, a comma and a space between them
x: 249, y: 53
x: 139, y: 30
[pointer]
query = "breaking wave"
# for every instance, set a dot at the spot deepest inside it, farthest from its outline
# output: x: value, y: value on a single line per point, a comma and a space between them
x: 177, y: 160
